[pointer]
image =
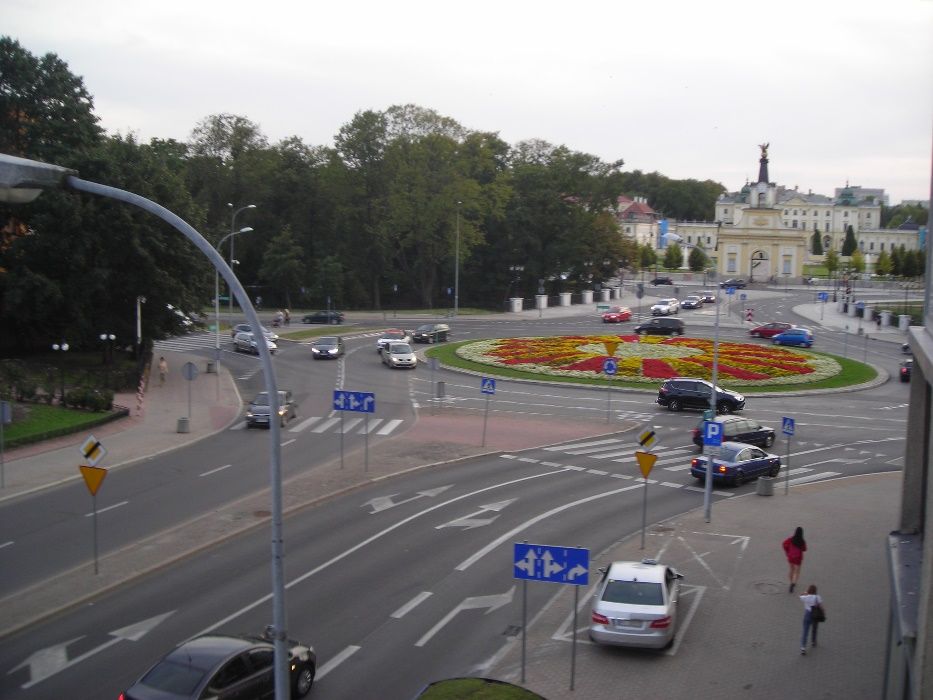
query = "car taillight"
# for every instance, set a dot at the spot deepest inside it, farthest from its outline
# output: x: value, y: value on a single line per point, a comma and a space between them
x: 600, y: 619
x: 661, y: 624
x: 721, y: 469
x: 694, y: 462
x: 696, y: 433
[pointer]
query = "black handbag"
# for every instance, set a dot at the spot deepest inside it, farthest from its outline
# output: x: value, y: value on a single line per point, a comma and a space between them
x: 817, y: 614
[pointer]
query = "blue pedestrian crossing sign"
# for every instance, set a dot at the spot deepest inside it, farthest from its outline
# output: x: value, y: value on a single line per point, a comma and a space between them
x: 541, y: 562
x: 712, y: 433
x: 358, y: 401
x: 488, y: 385
x: 823, y: 296
x: 610, y: 366
x: 788, y: 428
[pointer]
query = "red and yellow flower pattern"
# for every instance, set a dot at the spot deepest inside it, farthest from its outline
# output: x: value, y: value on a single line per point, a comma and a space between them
x: 652, y: 358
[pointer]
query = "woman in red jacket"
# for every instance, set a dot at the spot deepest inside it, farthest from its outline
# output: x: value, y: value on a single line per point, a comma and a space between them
x: 794, y: 547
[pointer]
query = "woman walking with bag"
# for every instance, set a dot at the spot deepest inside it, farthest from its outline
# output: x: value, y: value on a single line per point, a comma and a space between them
x: 794, y: 547
x: 813, y: 615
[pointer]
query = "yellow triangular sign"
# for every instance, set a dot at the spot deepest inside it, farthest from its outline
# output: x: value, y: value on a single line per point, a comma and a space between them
x: 93, y: 477
x: 646, y: 461
x: 611, y: 346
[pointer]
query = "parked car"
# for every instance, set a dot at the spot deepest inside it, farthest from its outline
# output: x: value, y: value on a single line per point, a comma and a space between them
x: 769, y: 330
x: 329, y: 347
x: 707, y: 297
x: 738, y: 429
x: 685, y: 392
x: 665, y: 307
x: 660, y: 326
x: 258, y: 412
x: 736, y: 463
x: 661, y: 280
x: 617, y: 314
x: 906, y: 368
x: 328, y: 317
x: 802, y: 337
x: 431, y: 333
x: 247, y: 328
x: 635, y: 604
x: 691, y: 302
x: 393, y: 335
x: 223, y: 666
x: 399, y: 355
x: 246, y: 342
x: 737, y: 283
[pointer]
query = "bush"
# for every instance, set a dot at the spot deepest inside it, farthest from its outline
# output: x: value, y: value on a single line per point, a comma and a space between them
x: 89, y: 398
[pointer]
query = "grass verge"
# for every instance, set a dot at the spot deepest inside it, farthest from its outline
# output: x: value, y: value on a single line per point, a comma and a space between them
x: 38, y: 422
x: 476, y: 689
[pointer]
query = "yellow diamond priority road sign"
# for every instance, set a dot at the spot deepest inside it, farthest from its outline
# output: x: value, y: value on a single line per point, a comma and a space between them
x: 93, y: 477
x: 647, y: 438
x: 92, y: 451
x: 646, y: 462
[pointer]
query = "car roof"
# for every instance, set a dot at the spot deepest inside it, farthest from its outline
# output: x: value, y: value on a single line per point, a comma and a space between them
x: 327, y: 340
x: 636, y: 570
x: 399, y: 345
x: 208, y: 650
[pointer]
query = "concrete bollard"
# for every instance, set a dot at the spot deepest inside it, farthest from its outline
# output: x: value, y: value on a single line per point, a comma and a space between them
x: 183, y: 425
x: 765, y: 486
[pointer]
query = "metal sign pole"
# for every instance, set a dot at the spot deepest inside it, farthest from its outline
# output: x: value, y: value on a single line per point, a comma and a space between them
x: 787, y: 472
x: 485, y: 418
x: 366, y: 440
x: 341, y: 439
x: 609, y: 401
x: 644, y: 514
x: 524, y: 624
x: 573, y: 645
x: 94, y: 503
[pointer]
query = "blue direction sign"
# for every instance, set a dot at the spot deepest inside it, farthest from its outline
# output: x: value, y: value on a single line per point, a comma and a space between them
x: 541, y: 562
x: 743, y: 296
x: 730, y: 291
x: 359, y: 401
x: 823, y: 296
x: 488, y: 385
x: 712, y: 433
x: 788, y: 427
x: 610, y: 366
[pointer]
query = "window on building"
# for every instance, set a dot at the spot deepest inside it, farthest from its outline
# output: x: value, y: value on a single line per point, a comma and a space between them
x: 827, y: 212
x: 845, y: 214
x: 725, y: 211
x: 794, y: 224
x: 785, y: 212
x: 795, y: 212
x: 786, y: 265
x: 882, y: 245
x: 708, y: 240
x: 730, y: 265
x: 804, y: 212
x: 871, y: 246
x: 689, y: 239
x: 868, y: 216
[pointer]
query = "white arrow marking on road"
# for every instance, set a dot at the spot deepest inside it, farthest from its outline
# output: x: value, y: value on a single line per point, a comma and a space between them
x: 468, y: 522
x: 385, y: 502
x: 492, y: 602
x: 48, y: 662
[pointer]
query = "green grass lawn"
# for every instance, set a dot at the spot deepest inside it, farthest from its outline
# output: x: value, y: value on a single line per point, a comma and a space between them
x: 35, y: 422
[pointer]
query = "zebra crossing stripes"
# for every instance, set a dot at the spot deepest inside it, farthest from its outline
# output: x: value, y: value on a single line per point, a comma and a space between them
x: 193, y: 341
x: 377, y: 426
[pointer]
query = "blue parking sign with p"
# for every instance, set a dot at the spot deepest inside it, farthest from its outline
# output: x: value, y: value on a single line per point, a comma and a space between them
x: 712, y: 433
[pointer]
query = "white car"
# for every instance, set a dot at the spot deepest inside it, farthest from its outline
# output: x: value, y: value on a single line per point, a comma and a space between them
x: 635, y: 605
x: 665, y: 307
x: 246, y: 342
x: 393, y: 335
x: 399, y: 355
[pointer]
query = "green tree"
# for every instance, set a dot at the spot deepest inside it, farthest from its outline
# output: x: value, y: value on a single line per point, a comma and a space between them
x: 283, y: 268
x: 857, y: 261
x: 897, y: 260
x: 909, y: 264
x: 648, y: 256
x: 849, y: 245
x: 883, y: 263
x: 697, y: 260
x: 831, y: 261
x: 673, y: 256
x: 816, y: 243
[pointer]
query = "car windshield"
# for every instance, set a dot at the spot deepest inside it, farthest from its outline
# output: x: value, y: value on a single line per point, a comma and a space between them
x: 728, y: 454
x: 426, y: 328
x: 174, y: 678
x: 399, y: 349
x: 634, y: 593
x: 326, y: 341
x: 263, y: 399
x: 393, y: 334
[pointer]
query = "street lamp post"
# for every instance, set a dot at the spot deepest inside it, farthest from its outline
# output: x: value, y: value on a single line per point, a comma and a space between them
x: 139, y: 325
x: 61, y: 347
x: 457, y: 264
x: 107, y: 339
x: 232, y: 231
x: 245, y: 229
x: 21, y: 181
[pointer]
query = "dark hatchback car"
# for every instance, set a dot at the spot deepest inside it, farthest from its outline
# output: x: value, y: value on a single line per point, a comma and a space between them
x: 661, y: 280
x: 660, y: 326
x: 738, y: 429
x: 223, y: 667
x: 259, y: 410
x: 431, y: 333
x: 736, y: 463
x: 738, y: 284
x: 329, y: 347
x: 683, y: 392
x: 329, y: 317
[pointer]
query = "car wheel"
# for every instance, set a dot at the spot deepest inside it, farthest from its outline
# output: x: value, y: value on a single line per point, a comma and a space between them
x: 769, y: 441
x: 673, y: 405
x: 739, y: 478
x: 303, y: 682
x: 725, y: 409
x: 774, y: 471
x: 776, y: 341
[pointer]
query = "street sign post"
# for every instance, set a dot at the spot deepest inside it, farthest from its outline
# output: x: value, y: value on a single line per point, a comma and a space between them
x: 6, y: 416
x: 787, y: 427
x: 488, y: 387
x: 646, y: 462
x: 610, y: 368
x: 712, y: 433
x: 357, y: 402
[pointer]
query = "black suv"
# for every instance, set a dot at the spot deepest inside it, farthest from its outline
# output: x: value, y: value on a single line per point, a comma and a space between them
x: 738, y: 284
x: 431, y: 333
x: 328, y: 317
x: 683, y: 392
x: 661, y: 326
x: 661, y: 280
x: 738, y: 429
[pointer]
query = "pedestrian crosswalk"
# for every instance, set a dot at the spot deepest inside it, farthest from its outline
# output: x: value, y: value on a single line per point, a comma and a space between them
x: 194, y: 341
x: 336, y: 424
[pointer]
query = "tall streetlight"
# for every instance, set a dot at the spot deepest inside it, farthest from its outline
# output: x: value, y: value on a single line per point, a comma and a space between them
x: 245, y: 229
x: 61, y: 347
x: 139, y: 324
x: 21, y: 181
x: 457, y: 264
x: 107, y: 339
x: 232, y: 231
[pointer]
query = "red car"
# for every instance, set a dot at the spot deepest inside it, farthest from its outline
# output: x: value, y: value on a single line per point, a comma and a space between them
x: 769, y: 330
x: 616, y: 314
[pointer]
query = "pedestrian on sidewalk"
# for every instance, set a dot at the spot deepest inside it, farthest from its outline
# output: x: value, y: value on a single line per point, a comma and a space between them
x: 163, y: 370
x: 794, y: 547
x: 813, y: 615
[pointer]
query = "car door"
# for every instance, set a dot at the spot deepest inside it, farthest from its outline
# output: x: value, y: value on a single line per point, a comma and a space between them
x: 235, y: 680
x: 694, y: 395
x: 757, y: 461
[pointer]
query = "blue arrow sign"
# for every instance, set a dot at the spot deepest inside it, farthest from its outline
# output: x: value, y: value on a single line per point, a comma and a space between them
x: 358, y: 401
x: 823, y: 296
x: 541, y: 562
x: 488, y: 385
x: 730, y: 290
x: 788, y: 428
x: 712, y: 433
x: 610, y: 366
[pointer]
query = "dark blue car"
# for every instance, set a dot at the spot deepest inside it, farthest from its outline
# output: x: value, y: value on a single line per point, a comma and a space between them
x: 737, y: 462
x: 801, y: 337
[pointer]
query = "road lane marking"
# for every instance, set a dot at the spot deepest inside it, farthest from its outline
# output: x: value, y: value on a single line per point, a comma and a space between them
x: 326, y: 425
x: 104, y: 510
x: 389, y: 426
x: 287, y: 442
x: 411, y: 604
x: 336, y: 661
x: 214, y: 471
x: 6, y: 544
x: 574, y: 446
x: 306, y: 423
x: 371, y: 426
x: 350, y: 424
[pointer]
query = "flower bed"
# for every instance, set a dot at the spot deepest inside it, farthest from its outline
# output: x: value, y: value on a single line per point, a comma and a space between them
x: 652, y: 358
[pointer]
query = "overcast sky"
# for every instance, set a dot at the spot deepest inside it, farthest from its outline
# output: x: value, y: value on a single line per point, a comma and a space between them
x: 843, y: 91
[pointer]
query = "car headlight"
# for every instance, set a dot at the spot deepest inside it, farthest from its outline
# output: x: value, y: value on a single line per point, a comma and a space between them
x: 249, y: 414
